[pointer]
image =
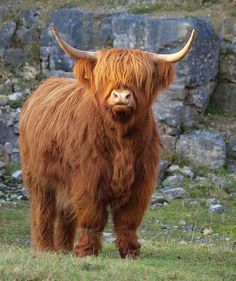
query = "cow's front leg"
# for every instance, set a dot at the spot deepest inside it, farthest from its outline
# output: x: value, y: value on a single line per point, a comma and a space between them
x: 128, y: 217
x: 92, y: 218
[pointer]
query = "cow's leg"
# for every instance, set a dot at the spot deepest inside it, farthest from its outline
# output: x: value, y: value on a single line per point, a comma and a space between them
x: 65, y: 230
x: 92, y: 218
x: 43, y: 213
x: 126, y: 221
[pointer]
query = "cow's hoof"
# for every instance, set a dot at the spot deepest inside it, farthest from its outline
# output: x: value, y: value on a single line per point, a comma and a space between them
x: 82, y: 250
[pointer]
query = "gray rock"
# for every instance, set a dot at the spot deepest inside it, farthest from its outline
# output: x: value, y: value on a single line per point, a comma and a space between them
x: 2, y: 195
x: 1, y: 150
x: 28, y: 72
x: 108, y: 237
x: 221, y: 182
x: 216, y: 209
x: 17, y: 175
x: 8, y: 147
x: 7, y: 134
x: 31, y: 19
x: 16, y: 97
x: 186, y: 171
x: 228, y: 68
x: 231, y: 146
x: 225, y: 96
x: 25, y: 242
x: 15, y: 155
x: 3, y: 100
x: 169, y: 141
x: 6, y: 88
x: 58, y: 73
x: 182, y: 222
x: 6, y: 34
x: 159, y: 202
x: 3, y: 187
x: 173, y: 168
x: 163, y: 166
x: 173, y: 181
x: 203, y: 148
x: 232, y: 166
x: 18, y: 56
x: 199, y: 96
x: 212, y: 201
x: 27, y: 36
x: 174, y: 193
x: 2, y: 164
x: 169, y: 112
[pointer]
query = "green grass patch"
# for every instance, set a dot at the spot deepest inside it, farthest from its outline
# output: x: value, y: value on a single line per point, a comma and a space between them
x: 171, y: 249
x: 160, y: 261
x: 14, y: 222
x: 11, y: 167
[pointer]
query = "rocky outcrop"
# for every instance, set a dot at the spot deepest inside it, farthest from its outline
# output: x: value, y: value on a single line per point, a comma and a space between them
x: 225, y: 95
x: 28, y: 42
x: 203, y: 148
x: 186, y: 100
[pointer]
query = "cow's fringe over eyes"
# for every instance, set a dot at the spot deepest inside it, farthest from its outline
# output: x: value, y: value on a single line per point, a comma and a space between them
x: 126, y: 67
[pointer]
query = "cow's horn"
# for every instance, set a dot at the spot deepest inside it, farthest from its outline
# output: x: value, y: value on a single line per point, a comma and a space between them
x: 176, y: 56
x: 70, y: 51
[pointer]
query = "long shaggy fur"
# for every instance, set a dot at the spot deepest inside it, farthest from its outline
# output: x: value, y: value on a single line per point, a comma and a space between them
x: 78, y: 160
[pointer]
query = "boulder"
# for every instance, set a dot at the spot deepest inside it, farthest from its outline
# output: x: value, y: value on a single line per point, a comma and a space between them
x: 17, y: 175
x: 18, y: 56
x: 31, y: 19
x: 203, y: 148
x: 216, y: 209
x: 174, y: 193
x: 27, y: 36
x: 3, y: 100
x: 163, y: 166
x: 173, y: 181
x: 225, y: 97
x: 231, y: 146
x: 6, y: 34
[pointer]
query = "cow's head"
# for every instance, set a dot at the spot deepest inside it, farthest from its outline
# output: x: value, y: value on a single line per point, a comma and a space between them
x: 124, y: 82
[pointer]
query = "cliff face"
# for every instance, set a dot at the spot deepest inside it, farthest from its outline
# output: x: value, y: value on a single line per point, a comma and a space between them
x: 29, y: 54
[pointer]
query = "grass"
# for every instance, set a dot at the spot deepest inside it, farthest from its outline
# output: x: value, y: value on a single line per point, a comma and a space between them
x: 165, y: 255
x: 160, y: 261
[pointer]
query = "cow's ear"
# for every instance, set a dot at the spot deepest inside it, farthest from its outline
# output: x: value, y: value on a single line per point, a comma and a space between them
x: 83, y: 71
x: 165, y: 74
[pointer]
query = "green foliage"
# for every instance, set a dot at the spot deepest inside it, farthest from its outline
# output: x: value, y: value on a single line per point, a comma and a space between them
x: 14, y: 222
x: 141, y: 9
x: 41, y: 76
x: 213, y: 109
x: 16, y: 104
x: 12, y: 167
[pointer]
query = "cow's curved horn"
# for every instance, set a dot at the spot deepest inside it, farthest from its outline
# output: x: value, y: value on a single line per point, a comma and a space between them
x: 176, y: 56
x: 70, y: 51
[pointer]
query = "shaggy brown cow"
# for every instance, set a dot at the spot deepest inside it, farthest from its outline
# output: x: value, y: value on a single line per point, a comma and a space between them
x: 91, y: 145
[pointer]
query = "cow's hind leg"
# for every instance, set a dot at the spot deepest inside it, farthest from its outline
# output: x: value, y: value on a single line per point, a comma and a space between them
x: 43, y: 213
x: 65, y: 230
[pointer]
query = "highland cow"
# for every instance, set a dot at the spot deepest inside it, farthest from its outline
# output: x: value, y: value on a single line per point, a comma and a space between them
x: 90, y: 145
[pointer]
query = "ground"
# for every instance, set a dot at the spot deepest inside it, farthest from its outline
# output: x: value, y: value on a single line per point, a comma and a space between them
x: 180, y: 241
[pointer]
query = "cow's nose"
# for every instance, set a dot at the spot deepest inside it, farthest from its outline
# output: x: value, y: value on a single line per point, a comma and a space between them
x: 124, y: 96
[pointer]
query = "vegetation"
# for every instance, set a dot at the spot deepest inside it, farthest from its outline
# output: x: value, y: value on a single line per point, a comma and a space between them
x: 169, y: 250
x: 165, y: 261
